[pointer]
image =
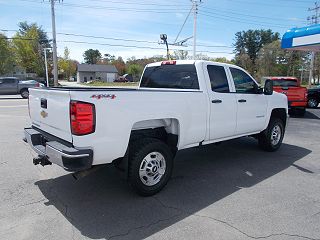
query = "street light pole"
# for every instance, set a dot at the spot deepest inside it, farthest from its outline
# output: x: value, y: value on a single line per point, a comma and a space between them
x: 164, y: 38
x: 46, y: 63
x: 311, y: 70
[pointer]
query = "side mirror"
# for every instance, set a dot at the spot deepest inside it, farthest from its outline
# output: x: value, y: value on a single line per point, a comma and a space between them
x: 268, y: 87
x: 259, y: 90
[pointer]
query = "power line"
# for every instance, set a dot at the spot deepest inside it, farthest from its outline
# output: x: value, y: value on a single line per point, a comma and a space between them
x: 249, y: 15
x: 238, y: 19
x: 313, y: 19
x: 183, y: 25
x: 115, y: 39
x: 244, y: 21
x: 137, y: 4
x: 130, y: 9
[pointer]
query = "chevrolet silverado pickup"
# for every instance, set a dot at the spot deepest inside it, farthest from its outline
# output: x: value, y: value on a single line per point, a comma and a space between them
x: 297, y: 95
x: 12, y: 85
x: 178, y: 105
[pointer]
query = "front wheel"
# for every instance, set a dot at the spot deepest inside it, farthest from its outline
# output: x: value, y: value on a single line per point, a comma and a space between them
x: 313, y: 103
x: 270, y: 139
x: 150, y: 166
x: 24, y: 93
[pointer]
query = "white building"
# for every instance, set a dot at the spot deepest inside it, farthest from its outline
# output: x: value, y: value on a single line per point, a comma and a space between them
x: 89, y: 72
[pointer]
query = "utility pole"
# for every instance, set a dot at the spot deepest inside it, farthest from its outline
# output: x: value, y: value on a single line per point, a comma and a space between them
x: 54, y: 44
x: 313, y: 19
x: 195, y: 5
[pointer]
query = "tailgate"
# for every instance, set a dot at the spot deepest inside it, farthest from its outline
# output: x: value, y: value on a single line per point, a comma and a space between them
x: 49, y: 111
x: 293, y: 93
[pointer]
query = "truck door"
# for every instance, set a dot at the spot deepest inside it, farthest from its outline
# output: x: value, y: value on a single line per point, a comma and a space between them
x: 8, y: 86
x: 223, y: 106
x: 252, y: 104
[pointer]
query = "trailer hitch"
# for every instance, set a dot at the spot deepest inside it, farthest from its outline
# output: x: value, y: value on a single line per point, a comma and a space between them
x: 42, y: 160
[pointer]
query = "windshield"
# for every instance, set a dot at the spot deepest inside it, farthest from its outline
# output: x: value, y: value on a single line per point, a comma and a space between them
x: 285, y: 83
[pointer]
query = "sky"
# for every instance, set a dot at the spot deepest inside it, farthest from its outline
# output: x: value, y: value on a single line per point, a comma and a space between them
x: 132, y: 28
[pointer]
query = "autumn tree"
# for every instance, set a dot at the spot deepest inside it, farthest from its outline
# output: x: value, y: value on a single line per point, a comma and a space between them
x: 67, y: 67
x: 120, y: 65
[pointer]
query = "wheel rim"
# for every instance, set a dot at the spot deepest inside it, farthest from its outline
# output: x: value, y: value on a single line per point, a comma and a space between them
x: 152, y: 168
x: 25, y: 94
x: 312, y: 103
x: 276, y: 135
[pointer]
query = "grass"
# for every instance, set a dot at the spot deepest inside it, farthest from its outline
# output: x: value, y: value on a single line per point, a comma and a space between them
x: 110, y: 84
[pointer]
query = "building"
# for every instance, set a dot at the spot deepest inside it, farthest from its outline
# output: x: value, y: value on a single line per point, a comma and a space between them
x: 89, y: 72
x: 20, y: 73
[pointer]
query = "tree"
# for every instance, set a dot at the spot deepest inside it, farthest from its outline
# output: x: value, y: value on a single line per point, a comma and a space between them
x: 92, y: 56
x: 180, y: 54
x: 66, y: 66
x: 274, y: 61
x: 120, y: 65
x: 135, y: 70
x: 28, y: 43
x: 7, y: 61
x: 250, y: 42
x: 108, y: 58
x: 221, y: 59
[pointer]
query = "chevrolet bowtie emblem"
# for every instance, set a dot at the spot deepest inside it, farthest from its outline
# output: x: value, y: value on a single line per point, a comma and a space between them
x: 44, y: 114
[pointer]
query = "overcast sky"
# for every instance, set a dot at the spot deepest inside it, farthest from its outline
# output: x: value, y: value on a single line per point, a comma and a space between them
x: 143, y: 21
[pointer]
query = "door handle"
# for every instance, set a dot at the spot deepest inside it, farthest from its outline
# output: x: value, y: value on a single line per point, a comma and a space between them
x: 216, y: 101
x: 242, y: 100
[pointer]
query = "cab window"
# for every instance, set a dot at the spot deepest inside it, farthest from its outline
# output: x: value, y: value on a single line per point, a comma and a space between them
x: 218, y: 79
x: 242, y: 81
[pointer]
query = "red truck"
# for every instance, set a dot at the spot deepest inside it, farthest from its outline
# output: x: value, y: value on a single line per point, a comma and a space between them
x: 297, y: 95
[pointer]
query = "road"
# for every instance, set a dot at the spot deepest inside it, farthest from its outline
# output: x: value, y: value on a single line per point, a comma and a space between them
x: 227, y: 191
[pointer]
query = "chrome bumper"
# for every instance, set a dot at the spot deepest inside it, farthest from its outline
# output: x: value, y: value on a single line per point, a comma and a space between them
x: 69, y: 158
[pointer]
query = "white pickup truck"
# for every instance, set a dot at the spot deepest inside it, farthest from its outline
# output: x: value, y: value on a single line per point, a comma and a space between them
x: 178, y: 105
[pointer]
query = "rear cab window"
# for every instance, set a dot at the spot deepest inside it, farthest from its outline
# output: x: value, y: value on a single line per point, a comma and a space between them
x: 285, y: 83
x: 183, y: 76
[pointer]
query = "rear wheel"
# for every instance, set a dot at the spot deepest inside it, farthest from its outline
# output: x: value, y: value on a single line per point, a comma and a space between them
x: 313, y: 103
x: 150, y: 166
x: 271, y: 139
x: 24, y: 93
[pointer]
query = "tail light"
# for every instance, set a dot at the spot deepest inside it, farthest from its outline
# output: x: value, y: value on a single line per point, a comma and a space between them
x: 82, y: 118
x: 37, y: 84
x: 170, y: 62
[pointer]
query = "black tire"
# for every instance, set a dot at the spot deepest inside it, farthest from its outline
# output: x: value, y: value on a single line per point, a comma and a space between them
x: 140, y: 150
x: 313, y: 103
x: 264, y: 138
x: 24, y: 93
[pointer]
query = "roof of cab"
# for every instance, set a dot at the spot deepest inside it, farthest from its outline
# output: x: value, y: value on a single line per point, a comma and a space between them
x: 281, y: 78
x: 180, y: 62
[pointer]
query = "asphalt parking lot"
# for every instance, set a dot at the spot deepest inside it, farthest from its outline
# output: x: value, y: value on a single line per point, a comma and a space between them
x: 230, y: 191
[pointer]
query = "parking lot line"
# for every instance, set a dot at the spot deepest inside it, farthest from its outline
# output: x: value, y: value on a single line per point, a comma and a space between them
x: 13, y: 106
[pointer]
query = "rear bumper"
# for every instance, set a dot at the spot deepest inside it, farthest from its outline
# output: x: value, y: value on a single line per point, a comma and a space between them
x: 70, y: 158
x: 297, y: 104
